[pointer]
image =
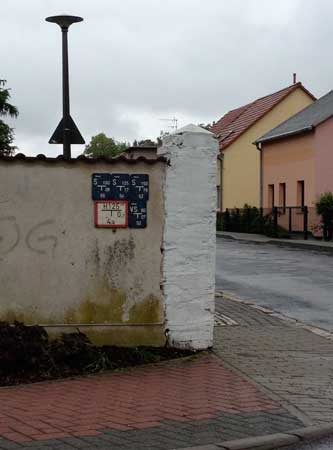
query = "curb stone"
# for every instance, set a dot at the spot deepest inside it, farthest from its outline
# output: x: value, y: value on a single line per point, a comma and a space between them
x: 313, y: 432
x: 315, y: 330
x: 271, y: 441
x: 280, y: 243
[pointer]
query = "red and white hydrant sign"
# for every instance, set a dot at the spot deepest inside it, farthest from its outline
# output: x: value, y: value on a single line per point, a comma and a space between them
x: 111, y: 214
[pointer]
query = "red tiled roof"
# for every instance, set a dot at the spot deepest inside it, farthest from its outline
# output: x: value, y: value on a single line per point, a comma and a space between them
x: 237, y: 121
x: 82, y: 159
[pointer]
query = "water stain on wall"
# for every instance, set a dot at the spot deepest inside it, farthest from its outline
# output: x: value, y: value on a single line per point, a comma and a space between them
x: 150, y: 310
x: 103, y: 305
x: 29, y: 316
x: 127, y: 336
x: 120, y: 335
x: 120, y: 253
x: 107, y: 306
x: 109, y: 299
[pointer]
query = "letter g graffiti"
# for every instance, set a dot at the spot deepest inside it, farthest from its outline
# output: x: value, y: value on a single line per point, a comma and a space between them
x: 9, y: 234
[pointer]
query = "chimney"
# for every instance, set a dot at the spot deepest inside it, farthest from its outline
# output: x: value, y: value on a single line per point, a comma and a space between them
x: 294, y: 78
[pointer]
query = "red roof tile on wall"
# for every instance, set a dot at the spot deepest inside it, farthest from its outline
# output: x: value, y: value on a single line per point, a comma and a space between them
x: 82, y: 159
x: 237, y: 121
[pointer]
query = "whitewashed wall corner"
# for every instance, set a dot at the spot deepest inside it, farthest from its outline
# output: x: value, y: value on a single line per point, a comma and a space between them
x: 190, y: 236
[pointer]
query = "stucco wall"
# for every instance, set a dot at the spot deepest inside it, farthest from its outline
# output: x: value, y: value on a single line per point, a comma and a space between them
x: 324, y: 158
x: 137, y: 152
x: 218, y: 184
x: 241, y: 175
x: 190, y: 235
x: 56, y: 268
x: 287, y: 161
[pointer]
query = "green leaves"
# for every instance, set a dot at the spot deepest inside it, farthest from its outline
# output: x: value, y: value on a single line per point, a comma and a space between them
x: 324, y: 207
x: 325, y: 204
x: 6, y: 139
x: 101, y: 145
x: 6, y: 132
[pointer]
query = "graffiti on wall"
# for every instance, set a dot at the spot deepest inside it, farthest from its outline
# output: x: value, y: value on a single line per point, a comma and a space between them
x: 37, y: 239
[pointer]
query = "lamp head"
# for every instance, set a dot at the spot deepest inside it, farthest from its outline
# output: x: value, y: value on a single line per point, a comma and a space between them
x: 64, y: 21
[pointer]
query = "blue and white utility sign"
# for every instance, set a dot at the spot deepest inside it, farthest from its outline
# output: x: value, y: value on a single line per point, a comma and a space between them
x: 139, y: 187
x: 122, y: 187
x: 137, y: 214
x: 101, y: 186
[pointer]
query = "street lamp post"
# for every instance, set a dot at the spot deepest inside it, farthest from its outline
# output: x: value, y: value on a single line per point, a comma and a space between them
x: 66, y: 132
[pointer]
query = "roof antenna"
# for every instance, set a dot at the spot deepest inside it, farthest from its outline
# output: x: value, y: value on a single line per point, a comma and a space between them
x: 294, y: 78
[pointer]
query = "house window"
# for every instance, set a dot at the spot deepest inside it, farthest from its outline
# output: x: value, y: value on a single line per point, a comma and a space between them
x: 271, y: 196
x: 218, y: 197
x: 300, y: 193
x: 282, y: 196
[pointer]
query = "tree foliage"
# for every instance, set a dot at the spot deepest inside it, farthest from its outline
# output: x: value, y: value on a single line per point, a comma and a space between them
x: 325, y: 204
x: 6, y: 132
x: 144, y: 143
x: 324, y: 207
x: 101, y: 145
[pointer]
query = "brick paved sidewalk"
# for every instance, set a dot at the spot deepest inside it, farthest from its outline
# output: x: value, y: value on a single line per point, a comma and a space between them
x: 265, y: 376
x: 178, y: 404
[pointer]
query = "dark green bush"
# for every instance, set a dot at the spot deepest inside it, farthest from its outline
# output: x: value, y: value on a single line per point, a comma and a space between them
x: 27, y: 354
x: 22, y: 349
x: 324, y: 208
x: 72, y: 352
x: 249, y: 220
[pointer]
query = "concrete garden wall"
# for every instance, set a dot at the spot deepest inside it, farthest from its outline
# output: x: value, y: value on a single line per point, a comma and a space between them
x: 120, y: 286
x: 56, y: 268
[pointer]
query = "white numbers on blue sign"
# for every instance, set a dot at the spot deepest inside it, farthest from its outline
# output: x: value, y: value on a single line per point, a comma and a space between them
x: 122, y: 187
x: 139, y: 187
x: 137, y: 215
x: 101, y: 186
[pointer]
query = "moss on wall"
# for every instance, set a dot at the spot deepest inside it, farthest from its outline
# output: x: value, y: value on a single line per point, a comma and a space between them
x: 127, y: 336
x: 148, y: 311
x: 105, y: 307
x: 122, y: 336
x: 30, y: 317
x: 108, y: 305
x: 95, y: 310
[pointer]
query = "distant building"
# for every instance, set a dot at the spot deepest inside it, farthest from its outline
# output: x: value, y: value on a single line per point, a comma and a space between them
x: 149, y: 152
x: 297, y: 157
x: 238, y: 180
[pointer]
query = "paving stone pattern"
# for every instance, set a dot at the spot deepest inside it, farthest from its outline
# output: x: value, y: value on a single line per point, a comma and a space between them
x: 171, y: 405
x: 172, y: 434
x: 294, y: 363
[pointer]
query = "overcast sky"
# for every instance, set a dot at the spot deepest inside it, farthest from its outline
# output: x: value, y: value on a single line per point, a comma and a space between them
x: 134, y: 62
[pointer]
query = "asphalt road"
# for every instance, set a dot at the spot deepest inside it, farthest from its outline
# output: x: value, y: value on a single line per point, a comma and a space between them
x: 298, y: 283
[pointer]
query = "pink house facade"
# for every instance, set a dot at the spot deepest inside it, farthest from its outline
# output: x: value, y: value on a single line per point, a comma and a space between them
x: 297, y: 159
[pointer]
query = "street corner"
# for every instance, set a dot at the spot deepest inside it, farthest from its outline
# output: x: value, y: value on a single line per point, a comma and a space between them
x: 290, y: 360
x: 173, y: 405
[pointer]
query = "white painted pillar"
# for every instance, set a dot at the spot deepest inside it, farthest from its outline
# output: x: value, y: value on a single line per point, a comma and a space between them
x: 190, y: 236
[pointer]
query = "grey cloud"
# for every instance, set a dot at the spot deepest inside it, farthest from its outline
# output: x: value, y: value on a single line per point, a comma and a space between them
x: 156, y: 58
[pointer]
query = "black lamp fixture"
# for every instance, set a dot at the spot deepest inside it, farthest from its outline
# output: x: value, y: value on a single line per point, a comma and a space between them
x: 66, y: 132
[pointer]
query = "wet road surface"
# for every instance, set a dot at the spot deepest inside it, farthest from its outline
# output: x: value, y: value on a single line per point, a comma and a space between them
x: 298, y: 283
